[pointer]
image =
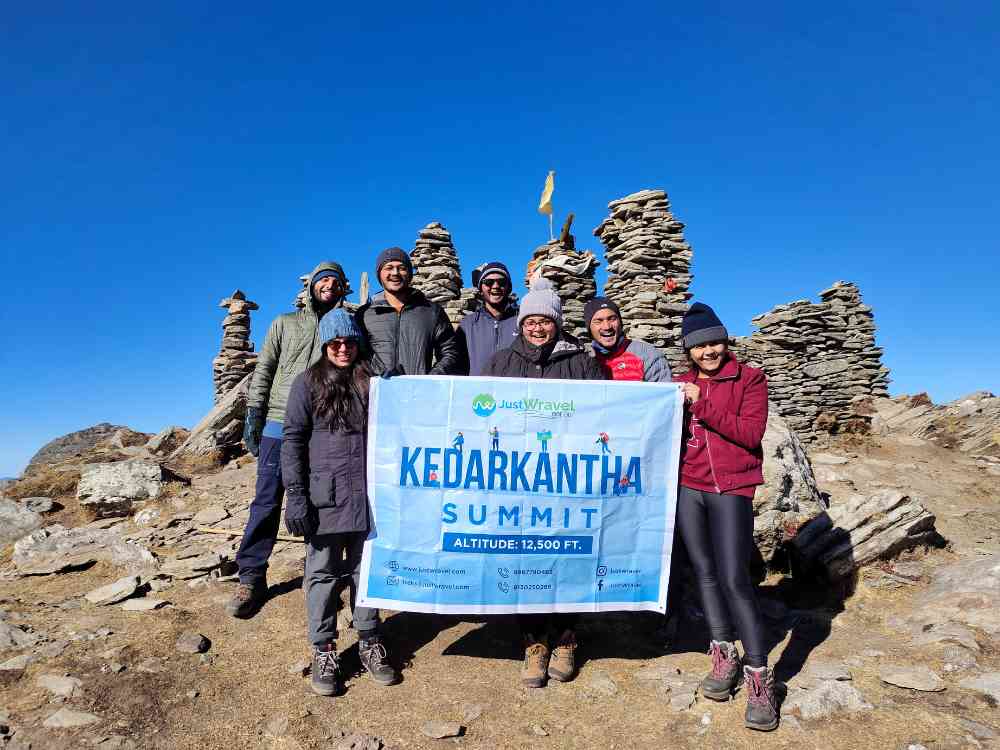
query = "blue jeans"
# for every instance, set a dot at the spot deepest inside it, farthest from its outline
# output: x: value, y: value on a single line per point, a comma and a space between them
x: 261, y: 531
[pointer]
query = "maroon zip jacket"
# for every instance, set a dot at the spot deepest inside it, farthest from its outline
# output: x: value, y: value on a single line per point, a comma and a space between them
x: 731, y: 416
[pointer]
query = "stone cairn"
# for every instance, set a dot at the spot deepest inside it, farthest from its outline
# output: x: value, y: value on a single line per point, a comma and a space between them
x: 649, y: 270
x: 821, y: 361
x: 437, y: 273
x: 236, y: 357
x: 571, y: 273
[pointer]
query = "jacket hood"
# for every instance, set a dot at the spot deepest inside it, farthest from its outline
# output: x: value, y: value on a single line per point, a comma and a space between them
x: 326, y: 265
x: 565, y: 346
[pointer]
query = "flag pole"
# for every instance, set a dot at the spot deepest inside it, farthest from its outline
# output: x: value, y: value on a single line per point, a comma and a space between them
x: 551, y: 236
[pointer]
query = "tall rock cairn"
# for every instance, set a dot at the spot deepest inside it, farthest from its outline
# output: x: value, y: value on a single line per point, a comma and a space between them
x: 821, y: 361
x: 571, y: 273
x: 236, y: 356
x: 437, y: 273
x: 649, y: 270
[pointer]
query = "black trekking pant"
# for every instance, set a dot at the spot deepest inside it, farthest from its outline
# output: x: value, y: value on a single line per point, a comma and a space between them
x: 718, y: 535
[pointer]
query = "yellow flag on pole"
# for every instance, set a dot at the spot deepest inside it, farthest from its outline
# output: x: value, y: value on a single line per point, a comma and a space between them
x: 545, y: 204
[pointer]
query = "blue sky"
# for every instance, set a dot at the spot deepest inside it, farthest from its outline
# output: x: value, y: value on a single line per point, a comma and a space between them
x: 156, y: 158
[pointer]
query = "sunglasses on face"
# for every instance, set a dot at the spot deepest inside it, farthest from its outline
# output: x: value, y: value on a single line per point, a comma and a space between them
x: 494, y: 282
x: 344, y: 344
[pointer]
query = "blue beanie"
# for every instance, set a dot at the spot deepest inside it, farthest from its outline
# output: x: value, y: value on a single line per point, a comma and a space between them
x: 701, y: 325
x: 338, y: 324
x: 390, y: 254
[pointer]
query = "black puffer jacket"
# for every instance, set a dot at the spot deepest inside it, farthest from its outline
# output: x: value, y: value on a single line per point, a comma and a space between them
x: 565, y: 359
x: 323, y: 467
x: 419, y: 338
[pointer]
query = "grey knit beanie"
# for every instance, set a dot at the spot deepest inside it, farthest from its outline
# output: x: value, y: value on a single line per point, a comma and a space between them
x: 541, y: 300
x: 391, y: 254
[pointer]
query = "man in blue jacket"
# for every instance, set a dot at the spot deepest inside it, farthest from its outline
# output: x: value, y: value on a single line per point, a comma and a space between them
x: 493, y: 325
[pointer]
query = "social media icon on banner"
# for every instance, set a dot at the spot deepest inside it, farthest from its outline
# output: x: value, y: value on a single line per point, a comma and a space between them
x: 602, y: 570
x: 393, y: 565
x: 391, y: 581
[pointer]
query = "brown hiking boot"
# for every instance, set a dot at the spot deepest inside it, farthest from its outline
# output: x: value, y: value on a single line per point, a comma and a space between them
x: 247, y: 600
x: 720, y: 683
x: 562, y: 664
x: 536, y: 659
x: 762, y: 707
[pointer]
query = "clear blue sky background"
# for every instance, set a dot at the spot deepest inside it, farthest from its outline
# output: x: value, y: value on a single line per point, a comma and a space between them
x: 156, y: 158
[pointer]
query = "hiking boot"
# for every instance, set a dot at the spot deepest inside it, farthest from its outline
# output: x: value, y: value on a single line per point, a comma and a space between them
x: 247, y: 599
x: 325, y: 670
x: 536, y: 660
x: 562, y: 663
x: 762, y: 709
x: 720, y: 683
x: 375, y: 659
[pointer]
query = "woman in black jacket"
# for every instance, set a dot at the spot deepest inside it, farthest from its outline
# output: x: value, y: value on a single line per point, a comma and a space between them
x: 542, y: 350
x: 323, y: 462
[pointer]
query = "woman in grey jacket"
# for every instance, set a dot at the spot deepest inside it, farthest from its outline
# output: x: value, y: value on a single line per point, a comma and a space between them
x: 323, y: 464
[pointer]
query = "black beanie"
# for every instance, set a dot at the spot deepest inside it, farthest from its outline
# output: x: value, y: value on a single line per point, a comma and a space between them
x: 390, y: 254
x: 701, y: 325
x: 598, y: 303
x: 490, y: 269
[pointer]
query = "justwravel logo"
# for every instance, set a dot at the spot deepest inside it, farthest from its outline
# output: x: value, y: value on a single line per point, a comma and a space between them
x: 483, y: 405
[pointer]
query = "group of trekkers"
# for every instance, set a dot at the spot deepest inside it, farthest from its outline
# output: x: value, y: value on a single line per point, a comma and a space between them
x: 307, y: 424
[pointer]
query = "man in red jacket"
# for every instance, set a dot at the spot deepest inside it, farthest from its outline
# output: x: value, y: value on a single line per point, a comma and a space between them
x: 621, y: 357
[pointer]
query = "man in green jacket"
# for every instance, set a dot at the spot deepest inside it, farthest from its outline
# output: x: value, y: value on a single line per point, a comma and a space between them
x: 291, y: 345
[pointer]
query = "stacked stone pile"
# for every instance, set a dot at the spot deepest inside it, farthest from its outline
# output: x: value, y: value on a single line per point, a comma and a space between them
x: 649, y: 269
x: 459, y: 307
x: 821, y: 360
x: 436, y: 271
x: 572, y: 274
x: 236, y: 357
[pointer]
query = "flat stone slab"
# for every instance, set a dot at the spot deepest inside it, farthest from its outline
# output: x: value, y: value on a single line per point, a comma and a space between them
x: 144, y: 605
x: 439, y: 730
x: 988, y: 684
x: 916, y: 677
x: 67, y: 718
x: 115, y: 592
x: 828, y: 698
x: 192, y: 643
x: 60, y: 685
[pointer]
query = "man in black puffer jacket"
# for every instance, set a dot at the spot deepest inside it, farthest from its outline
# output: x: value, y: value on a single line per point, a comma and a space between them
x: 408, y: 334
x: 542, y: 350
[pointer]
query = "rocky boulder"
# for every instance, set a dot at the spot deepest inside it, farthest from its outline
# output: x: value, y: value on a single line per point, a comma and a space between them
x: 167, y: 440
x: 218, y: 436
x: 861, y: 530
x: 55, y: 549
x: 110, y: 489
x: 16, y: 520
x: 789, y: 497
x: 72, y: 445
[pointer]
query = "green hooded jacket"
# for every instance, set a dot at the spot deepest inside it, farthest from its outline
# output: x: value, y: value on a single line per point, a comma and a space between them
x: 291, y: 345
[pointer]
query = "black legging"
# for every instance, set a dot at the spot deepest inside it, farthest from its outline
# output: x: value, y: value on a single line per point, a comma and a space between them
x: 717, y: 531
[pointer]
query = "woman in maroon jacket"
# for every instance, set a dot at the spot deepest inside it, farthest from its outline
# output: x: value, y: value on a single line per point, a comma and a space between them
x: 721, y: 464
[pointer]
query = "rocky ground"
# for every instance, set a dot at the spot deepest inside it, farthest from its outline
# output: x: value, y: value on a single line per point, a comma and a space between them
x: 101, y: 645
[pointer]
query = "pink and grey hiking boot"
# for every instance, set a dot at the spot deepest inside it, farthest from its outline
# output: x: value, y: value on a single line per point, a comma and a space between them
x: 762, y: 709
x: 720, y: 683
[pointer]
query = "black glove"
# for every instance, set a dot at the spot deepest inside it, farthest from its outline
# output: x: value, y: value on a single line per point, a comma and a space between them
x: 253, y: 428
x: 397, y: 370
x: 299, y: 520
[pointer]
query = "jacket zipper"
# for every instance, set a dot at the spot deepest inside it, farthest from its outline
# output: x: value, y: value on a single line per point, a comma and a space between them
x: 708, y: 446
x: 496, y: 335
x: 395, y: 349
